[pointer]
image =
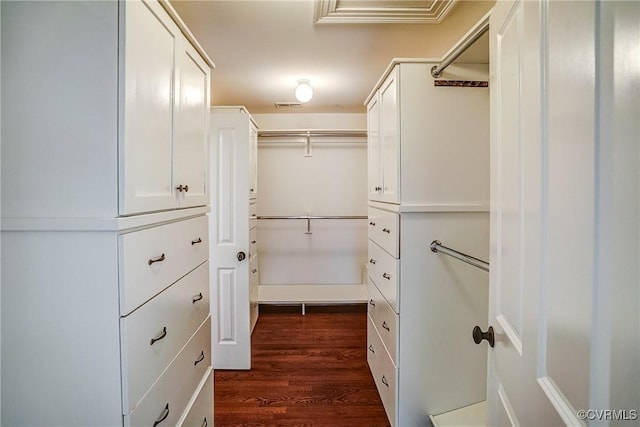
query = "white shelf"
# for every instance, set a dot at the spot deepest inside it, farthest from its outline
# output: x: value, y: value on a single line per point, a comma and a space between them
x: 469, y: 416
x: 312, y: 294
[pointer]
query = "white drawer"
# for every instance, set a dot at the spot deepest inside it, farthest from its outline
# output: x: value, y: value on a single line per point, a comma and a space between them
x: 383, y: 270
x: 169, y: 319
x: 153, y: 258
x: 253, y: 241
x: 383, y: 370
x: 384, y: 229
x: 253, y: 214
x: 171, y: 394
x: 200, y: 413
x: 384, y: 319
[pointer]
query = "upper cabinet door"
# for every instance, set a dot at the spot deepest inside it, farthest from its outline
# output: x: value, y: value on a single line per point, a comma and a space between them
x: 191, y: 127
x: 373, y: 149
x: 253, y: 162
x: 390, y: 138
x: 148, y: 42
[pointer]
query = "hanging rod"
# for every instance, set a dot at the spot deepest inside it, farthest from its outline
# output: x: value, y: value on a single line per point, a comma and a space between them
x: 463, y: 44
x: 308, y: 218
x: 315, y: 217
x: 436, y: 246
x: 310, y: 133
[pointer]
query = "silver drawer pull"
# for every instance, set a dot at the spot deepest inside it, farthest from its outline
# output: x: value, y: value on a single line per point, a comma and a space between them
x: 372, y: 261
x: 386, y: 276
x: 162, y: 335
x: 371, y: 349
x: 161, y: 258
x: 384, y: 381
x: 196, y: 298
x: 372, y: 303
x: 371, y: 223
x: 164, y: 416
x: 200, y: 359
x: 198, y: 240
x: 205, y: 423
x: 384, y: 325
x: 386, y: 230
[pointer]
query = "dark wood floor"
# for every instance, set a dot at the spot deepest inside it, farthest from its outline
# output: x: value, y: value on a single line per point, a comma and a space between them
x: 306, y: 371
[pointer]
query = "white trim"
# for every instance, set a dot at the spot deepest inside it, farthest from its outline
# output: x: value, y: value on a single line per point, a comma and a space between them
x: 99, y: 224
x: 329, y: 12
x: 566, y: 411
x: 312, y: 294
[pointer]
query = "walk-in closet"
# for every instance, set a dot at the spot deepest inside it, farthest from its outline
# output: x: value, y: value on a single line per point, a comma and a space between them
x: 379, y: 213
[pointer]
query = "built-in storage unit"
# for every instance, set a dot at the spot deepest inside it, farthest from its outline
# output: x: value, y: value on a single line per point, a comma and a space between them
x: 312, y: 214
x: 428, y: 179
x: 105, y: 240
x: 234, y: 237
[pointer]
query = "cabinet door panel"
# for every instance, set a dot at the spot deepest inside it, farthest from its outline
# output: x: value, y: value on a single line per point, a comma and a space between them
x: 390, y: 139
x: 191, y: 126
x: 373, y: 149
x: 149, y: 40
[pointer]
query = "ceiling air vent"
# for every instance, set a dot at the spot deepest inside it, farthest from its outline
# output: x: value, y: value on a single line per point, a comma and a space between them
x: 288, y: 104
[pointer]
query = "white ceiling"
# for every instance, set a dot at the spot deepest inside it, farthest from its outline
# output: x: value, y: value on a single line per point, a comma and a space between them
x: 262, y: 47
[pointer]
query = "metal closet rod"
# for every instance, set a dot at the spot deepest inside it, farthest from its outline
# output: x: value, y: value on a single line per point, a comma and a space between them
x: 315, y: 217
x: 436, y: 246
x: 309, y: 133
x: 465, y: 43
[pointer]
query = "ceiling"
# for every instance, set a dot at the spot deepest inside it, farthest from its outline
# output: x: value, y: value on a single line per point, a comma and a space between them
x: 262, y: 47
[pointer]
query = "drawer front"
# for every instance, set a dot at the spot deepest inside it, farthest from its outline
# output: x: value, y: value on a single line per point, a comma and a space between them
x: 153, y: 258
x: 200, y: 414
x: 384, y: 229
x: 170, y: 395
x: 253, y: 215
x: 383, y: 371
x: 253, y: 241
x: 152, y: 335
x: 383, y: 271
x: 384, y: 319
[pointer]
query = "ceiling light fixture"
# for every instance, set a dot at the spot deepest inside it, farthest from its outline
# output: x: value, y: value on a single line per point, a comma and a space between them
x: 304, y: 93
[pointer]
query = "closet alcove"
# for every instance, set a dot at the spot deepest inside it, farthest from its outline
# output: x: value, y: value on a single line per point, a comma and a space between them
x: 347, y: 207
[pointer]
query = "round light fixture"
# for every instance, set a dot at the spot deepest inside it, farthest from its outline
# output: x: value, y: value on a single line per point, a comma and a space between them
x: 304, y: 93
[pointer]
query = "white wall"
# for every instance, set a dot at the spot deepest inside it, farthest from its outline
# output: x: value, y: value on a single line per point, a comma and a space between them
x: 332, y: 181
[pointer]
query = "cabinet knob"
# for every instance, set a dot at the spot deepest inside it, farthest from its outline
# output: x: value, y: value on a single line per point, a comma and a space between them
x: 198, y: 240
x: 372, y: 303
x: 241, y: 256
x: 182, y: 188
x: 478, y: 336
x: 371, y: 349
x: 384, y: 325
x: 373, y: 224
x: 197, y: 298
x: 386, y: 230
x: 372, y: 261
x: 386, y: 276
x: 384, y: 381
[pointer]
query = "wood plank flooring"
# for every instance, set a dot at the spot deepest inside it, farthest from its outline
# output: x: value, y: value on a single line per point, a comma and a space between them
x: 306, y: 371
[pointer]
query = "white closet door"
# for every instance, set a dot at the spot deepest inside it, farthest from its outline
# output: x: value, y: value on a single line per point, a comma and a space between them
x: 229, y: 228
x: 561, y: 285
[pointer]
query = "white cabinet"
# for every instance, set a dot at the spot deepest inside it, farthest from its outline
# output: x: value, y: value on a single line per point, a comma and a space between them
x: 105, y: 305
x: 233, y: 221
x: 165, y: 82
x: 384, y: 142
x: 422, y: 308
x: 427, y: 143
